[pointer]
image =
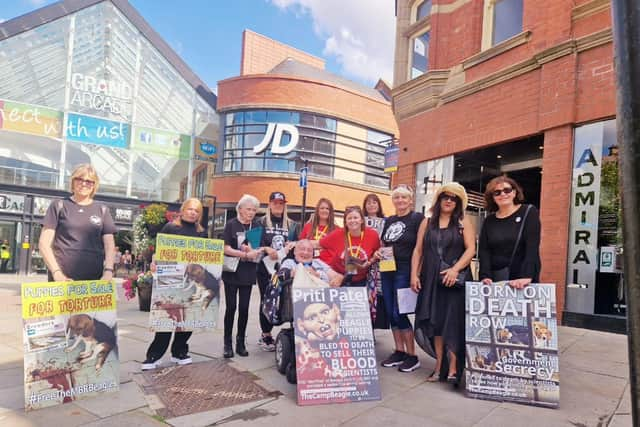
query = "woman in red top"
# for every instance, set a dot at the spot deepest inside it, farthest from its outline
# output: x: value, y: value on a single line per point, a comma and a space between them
x: 353, y: 248
x: 321, y: 224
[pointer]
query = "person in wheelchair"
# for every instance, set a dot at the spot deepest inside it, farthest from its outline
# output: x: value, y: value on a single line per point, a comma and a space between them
x: 303, y: 254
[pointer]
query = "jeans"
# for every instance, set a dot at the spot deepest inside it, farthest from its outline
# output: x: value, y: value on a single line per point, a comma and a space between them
x: 391, y: 282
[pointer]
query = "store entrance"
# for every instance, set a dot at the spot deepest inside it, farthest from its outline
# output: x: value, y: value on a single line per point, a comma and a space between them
x: 8, y: 252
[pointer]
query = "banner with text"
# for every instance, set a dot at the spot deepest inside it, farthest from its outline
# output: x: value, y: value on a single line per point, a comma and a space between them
x: 92, y: 130
x: 512, y: 343
x: 206, y: 150
x: 32, y: 119
x: 186, y: 285
x: 70, y: 341
x: 162, y: 142
x: 335, y: 354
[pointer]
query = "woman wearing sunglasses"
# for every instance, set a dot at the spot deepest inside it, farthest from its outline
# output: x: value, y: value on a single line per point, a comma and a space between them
x: 77, y: 233
x: 439, y: 270
x: 353, y: 248
x: 509, y: 246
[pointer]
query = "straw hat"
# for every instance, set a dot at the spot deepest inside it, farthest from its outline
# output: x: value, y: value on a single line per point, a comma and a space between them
x: 452, y: 188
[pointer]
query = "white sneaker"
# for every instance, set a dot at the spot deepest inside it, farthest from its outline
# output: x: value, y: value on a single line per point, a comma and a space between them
x: 149, y: 364
x: 183, y: 359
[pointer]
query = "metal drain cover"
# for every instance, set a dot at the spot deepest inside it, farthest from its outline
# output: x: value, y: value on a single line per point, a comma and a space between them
x: 200, y: 387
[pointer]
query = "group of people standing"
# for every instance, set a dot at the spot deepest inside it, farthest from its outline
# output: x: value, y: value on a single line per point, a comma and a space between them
x: 431, y: 256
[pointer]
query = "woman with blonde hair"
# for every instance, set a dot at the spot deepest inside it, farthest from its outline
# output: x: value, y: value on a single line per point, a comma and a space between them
x: 399, y: 234
x: 439, y: 271
x: 187, y: 223
x: 77, y: 241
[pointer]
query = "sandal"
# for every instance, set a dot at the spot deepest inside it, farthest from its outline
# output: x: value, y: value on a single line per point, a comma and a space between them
x: 434, y: 377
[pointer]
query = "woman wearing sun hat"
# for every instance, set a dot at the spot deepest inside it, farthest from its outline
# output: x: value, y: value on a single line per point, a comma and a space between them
x: 439, y: 270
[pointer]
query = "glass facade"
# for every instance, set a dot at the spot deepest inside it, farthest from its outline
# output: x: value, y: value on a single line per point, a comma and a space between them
x: 90, y: 88
x: 420, y: 55
x: 334, y: 148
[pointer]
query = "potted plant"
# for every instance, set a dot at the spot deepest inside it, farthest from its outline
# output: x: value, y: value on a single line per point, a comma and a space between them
x: 139, y: 284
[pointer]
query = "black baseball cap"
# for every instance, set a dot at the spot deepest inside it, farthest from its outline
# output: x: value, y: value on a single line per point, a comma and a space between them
x: 276, y: 195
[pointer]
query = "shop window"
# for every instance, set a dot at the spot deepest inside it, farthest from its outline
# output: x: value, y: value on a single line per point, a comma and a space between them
x: 200, y: 186
x: 502, y: 20
x: 423, y: 10
x: 420, y: 54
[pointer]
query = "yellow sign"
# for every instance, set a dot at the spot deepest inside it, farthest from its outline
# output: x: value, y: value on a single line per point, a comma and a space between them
x: 189, y: 250
x: 25, y: 118
x: 26, y: 245
x: 56, y: 298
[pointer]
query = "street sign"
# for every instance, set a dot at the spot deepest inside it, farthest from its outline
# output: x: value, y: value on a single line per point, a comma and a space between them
x: 303, y: 177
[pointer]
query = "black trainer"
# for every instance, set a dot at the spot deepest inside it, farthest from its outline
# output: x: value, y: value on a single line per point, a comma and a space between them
x: 149, y: 364
x: 228, y: 351
x: 182, y: 359
x: 396, y: 358
x: 409, y: 364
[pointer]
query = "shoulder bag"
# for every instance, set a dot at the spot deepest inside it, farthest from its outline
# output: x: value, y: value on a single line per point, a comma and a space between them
x: 504, y: 273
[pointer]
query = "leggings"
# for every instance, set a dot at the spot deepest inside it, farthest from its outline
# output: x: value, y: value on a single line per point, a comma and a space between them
x: 160, y: 344
x: 231, y: 293
x: 263, y: 282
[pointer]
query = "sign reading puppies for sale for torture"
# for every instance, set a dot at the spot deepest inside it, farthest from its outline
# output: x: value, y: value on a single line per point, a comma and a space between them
x: 512, y: 343
x: 70, y: 341
x: 186, y: 284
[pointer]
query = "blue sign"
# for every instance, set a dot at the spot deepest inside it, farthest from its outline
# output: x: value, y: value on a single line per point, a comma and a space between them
x: 303, y: 177
x: 391, y: 156
x: 207, y: 148
x: 91, y: 130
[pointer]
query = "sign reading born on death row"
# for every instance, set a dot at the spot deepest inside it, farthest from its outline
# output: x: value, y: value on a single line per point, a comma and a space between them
x: 186, y: 285
x: 512, y: 343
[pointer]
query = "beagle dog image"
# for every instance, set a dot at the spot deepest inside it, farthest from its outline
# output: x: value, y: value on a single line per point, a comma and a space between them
x: 98, y: 338
x: 513, y: 334
x: 541, y: 334
x: 207, y: 286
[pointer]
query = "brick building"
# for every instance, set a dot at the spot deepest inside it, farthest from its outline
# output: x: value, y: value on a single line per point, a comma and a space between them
x: 340, y: 127
x: 523, y: 87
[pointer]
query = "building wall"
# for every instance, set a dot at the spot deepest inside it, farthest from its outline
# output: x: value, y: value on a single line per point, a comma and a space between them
x: 260, y: 54
x: 558, y: 73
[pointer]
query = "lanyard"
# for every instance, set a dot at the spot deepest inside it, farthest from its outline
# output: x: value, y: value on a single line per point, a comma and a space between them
x: 320, y: 232
x: 354, y: 255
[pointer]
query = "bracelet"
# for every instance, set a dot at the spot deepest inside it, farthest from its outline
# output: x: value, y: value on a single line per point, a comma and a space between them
x: 55, y: 271
x: 108, y: 269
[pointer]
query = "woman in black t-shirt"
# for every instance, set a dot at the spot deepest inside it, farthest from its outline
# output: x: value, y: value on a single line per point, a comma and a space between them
x: 399, y: 233
x: 77, y: 240
x: 498, y: 260
x: 237, y: 284
x: 186, y: 224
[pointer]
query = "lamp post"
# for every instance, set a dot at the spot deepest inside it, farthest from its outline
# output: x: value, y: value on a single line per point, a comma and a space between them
x: 212, y: 229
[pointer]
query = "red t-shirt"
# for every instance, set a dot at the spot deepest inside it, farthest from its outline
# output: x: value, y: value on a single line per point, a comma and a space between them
x: 325, y: 255
x: 362, y: 248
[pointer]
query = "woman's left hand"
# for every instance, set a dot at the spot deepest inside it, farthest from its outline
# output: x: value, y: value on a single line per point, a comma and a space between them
x: 519, y: 283
x: 449, y: 276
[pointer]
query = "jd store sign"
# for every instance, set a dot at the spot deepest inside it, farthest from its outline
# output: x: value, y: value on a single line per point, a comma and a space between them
x: 275, y: 132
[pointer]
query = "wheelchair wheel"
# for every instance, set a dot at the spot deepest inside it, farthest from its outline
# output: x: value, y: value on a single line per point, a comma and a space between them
x: 284, y: 350
x: 291, y: 374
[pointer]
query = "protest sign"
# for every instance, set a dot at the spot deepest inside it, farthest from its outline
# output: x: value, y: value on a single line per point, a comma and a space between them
x: 512, y: 343
x: 186, y: 286
x: 70, y: 341
x: 335, y: 354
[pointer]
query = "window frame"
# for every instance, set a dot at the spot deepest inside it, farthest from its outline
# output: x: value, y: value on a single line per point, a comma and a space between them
x: 488, y: 24
x: 410, y: 53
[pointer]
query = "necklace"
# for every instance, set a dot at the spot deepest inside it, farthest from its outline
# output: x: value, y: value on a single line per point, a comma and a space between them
x: 320, y: 232
x: 357, y: 251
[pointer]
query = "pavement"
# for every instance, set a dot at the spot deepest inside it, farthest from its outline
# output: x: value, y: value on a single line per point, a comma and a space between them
x: 594, y: 387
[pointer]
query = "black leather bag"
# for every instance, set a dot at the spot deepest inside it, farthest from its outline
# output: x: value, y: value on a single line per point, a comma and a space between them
x: 463, y: 276
x: 504, y: 273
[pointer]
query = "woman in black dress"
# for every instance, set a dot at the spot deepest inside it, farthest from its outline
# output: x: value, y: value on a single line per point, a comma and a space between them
x: 439, y: 269
x: 500, y: 259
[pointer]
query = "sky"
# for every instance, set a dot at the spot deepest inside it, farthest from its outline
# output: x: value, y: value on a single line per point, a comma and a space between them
x: 354, y: 37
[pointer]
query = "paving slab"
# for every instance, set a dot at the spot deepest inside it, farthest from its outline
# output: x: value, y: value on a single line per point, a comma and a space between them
x: 130, y: 419
x: 68, y: 415
x: 108, y: 404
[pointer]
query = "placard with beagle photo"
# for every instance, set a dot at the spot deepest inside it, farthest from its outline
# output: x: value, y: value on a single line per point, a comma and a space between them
x: 70, y: 341
x: 186, y: 285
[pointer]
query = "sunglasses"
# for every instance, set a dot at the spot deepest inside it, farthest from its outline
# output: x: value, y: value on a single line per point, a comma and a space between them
x: 85, y: 182
x: 448, y: 197
x: 352, y: 208
x: 505, y: 190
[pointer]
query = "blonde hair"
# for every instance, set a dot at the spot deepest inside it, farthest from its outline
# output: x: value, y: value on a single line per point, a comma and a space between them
x: 403, y: 190
x: 286, y: 221
x: 89, y: 171
x: 185, y: 205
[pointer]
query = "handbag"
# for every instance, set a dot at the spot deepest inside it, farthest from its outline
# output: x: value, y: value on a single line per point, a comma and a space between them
x: 504, y: 273
x: 382, y: 320
x: 230, y: 263
x: 463, y: 276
